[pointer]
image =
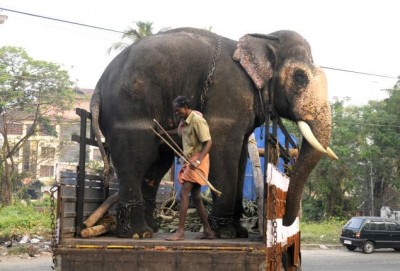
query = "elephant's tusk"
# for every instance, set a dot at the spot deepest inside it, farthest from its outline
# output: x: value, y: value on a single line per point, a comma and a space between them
x: 331, y: 154
x: 309, y: 136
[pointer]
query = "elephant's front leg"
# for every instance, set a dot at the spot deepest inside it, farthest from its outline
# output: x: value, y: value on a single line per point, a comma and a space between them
x: 241, y: 232
x: 225, y: 174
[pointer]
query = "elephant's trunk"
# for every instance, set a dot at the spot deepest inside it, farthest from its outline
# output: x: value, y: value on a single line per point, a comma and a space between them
x: 306, y: 161
x: 312, y: 113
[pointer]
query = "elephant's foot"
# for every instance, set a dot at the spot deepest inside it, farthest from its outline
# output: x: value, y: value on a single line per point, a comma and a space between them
x: 227, y: 228
x: 225, y: 232
x: 131, y: 222
x: 222, y: 227
x: 241, y: 232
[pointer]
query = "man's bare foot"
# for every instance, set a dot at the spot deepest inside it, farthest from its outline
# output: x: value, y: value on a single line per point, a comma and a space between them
x: 206, y: 235
x: 176, y: 237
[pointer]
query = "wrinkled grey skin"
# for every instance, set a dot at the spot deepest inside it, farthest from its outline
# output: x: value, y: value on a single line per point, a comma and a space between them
x: 141, y: 82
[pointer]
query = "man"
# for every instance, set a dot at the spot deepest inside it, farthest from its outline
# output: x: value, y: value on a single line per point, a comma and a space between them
x: 197, y: 142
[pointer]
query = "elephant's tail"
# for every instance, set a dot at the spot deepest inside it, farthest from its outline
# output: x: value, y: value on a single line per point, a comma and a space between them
x: 95, y: 105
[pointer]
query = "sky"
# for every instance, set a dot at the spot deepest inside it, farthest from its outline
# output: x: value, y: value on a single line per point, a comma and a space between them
x: 356, y: 35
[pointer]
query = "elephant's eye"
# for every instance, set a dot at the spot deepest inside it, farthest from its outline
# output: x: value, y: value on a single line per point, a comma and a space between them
x: 300, y: 78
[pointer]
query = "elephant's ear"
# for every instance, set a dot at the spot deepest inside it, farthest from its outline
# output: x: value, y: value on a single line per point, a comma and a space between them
x: 252, y: 53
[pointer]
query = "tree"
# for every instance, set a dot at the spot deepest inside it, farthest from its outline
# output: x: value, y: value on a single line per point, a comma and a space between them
x: 330, y: 181
x: 142, y: 29
x: 380, y: 154
x: 32, y: 92
x: 366, y: 139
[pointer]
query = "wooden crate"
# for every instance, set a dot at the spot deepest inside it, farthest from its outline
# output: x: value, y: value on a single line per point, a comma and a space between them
x: 93, y: 197
x: 67, y: 198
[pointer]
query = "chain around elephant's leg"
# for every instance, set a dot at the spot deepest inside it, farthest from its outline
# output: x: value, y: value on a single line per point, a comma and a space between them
x: 130, y: 220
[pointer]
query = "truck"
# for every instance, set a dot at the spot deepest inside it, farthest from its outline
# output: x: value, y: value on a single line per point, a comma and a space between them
x: 80, y: 193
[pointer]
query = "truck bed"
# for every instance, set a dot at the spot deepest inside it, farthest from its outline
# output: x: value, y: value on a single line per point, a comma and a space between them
x: 112, y: 253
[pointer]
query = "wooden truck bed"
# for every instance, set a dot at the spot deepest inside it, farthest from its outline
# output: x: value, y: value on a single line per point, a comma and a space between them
x: 111, y: 253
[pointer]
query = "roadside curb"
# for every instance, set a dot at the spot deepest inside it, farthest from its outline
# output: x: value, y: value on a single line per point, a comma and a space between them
x: 320, y: 246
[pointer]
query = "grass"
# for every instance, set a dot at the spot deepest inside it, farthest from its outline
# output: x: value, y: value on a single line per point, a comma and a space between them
x: 18, y: 219
x: 18, y: 250
x: 324, y: 232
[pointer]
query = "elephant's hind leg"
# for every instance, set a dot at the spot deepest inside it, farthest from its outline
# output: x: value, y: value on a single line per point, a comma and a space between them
x: 132, y: 156
x: 152, y: 181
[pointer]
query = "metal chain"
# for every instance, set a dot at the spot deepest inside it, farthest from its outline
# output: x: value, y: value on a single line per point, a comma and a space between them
x: 124, y: 213
x: 208, y: 81
x: 54, y: 241
x: 274, y: 227
x: 216, y: 222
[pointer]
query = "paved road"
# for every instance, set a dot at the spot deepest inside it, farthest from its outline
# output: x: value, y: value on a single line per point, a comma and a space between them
x: 344, y: 260
x: 41, y: 263
x: 313, y: 260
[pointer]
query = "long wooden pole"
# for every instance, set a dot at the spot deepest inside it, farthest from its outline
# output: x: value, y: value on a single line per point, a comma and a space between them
x: 101, y: 210
x: 218, y: 193
x: 170, y: 138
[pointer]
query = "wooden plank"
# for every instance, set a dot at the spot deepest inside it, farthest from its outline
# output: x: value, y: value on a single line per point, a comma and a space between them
x: 92, y: 177
x: 68, y: 174
x: 69, y: 223
x: 88, y: 141
x: 68, y: 181
x: 150, y: 260
x: 91, y: 193
x: 69, y: 207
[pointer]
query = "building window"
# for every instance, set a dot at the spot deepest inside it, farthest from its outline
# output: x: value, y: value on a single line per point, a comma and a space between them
x: 49, y: 130
x: 46, y: 171
x: 26, y: 156
x: 14, y: 129
x: 48, y: 153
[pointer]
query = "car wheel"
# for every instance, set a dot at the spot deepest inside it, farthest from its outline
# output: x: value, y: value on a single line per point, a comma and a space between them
x: 351, y: 248
x: 368, y: 247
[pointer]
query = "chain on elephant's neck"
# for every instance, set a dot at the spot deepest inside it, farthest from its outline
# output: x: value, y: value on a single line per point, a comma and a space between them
x: 208, y: 81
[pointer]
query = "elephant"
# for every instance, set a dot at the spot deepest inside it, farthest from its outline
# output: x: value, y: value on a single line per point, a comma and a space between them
x: 232, y: 83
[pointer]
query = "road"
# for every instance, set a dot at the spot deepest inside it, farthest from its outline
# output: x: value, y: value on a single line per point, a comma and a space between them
x: 344, y: 260
x: 15, y: 263
x: 313, y: 260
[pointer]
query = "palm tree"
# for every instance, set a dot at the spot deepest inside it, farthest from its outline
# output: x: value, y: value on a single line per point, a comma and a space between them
x: 142, y: 29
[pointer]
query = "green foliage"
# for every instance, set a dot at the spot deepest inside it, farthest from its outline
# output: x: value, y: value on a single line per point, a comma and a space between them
x: 27, y: 191
x: 324, y: 232
x: 18, y: 250
x: 313, y: 209
x: 366, y: 139
x: 32, y: 91
x: 132, y: 34
x: 18, y: 219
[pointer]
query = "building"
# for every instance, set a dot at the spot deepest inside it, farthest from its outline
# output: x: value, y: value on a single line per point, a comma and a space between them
x: 46, y: 153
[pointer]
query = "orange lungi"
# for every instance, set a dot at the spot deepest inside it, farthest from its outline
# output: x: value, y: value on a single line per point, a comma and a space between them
x: 188, y: 175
